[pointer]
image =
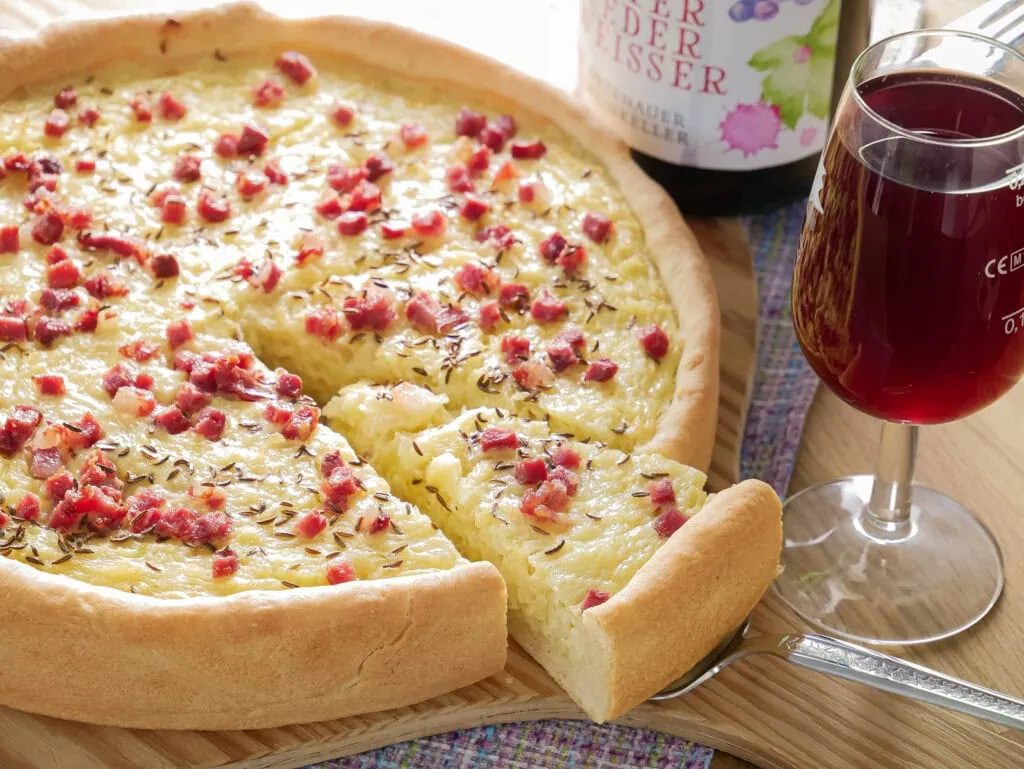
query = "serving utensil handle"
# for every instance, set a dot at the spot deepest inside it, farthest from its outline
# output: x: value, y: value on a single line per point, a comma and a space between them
x: 881, y: 671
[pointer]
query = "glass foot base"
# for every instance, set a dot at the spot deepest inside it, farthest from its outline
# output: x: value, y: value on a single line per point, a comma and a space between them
x: 858, y: 578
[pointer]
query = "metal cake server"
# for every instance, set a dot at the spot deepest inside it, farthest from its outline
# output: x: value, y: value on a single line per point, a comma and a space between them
x: 855, y: 663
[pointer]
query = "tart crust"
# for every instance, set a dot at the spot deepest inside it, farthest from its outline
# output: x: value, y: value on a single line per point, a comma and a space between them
x: 260, y: 659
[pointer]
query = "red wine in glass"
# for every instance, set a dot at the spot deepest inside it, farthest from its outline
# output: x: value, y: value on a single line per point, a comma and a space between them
x: 910, y: 304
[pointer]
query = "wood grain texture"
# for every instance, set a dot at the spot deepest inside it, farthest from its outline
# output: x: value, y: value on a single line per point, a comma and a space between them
x: 761, y: 710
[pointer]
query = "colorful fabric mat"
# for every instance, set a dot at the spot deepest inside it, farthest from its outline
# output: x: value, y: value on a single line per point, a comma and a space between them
x: 783, y: 389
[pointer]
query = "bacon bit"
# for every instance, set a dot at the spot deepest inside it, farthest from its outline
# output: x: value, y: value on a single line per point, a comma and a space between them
x: 431, y: 223
x: 594, y: 598
x: 268, y: 276
x: 179, y: 332
x: 225, y: 564
x: 533, y: 375
x: 340, y: 483
x: 344, y: 179
x: 48, y: 228
x: 669, y: 522
x: 120, y: 245
x: 103, y: 284
x: 506, y: 172
x: 571, y: 336
x: 601, y: 370
x: 498, y: 131
x: 143, y: 509
x: 392, y: 230
x: 269, y: 93
x: 311, y: 524
x: 78, y: 218
x: 365, y: 197
x: 552, y: 247
x: 378, y: 165
x: 479, y: 160
x: 476, y: 279
x: 547, y: 308
x: 16, y: 161
x: 171, y: 419
x: 469, y: 123
x: 115, y: 378
x: 211, y: 424
x: 568, y: 478
x: 546, y: 501
x: 654, y: 340
x: 515, y: 348
x: 89, y: 117
x: 134, y: 401
x: 499, y: 235
x: 173, y: 209
x: 413, y: 135
x: 57, y: 123
x: 566, y: 457
x: 427, y: 314
x: 527, y: 191
x: 324, y: 322
x: 170, y: 107
x: 48, y: 329
x: 253, y: 140
x: 339, y: 572
x: 528, y: 150
x: 142, y: 108
x: 88, y: 319
x: 56, y: 301
x: 13, y: 329
x: 49, y: 384
x: 277, y: 415
x: 330, y: 461
x: 473, y: 208
x: 374, y: 309
x: 330, y: 208
x: 213, y: 497
x: 250, y: 184
x: 139, y: 350
x: 302, y: 423
x: 288, y: 385
x: 530, y: 472
x: 63, y: 274
x: 497, y: 438
x: 210, y: 527
x: 28, y: 507
x: 226, y: 145
x: 274, y: 173
x: 18, y: 428
x: 58, y: 485
x: 572, y: 258
x: 187, y: 169
x: 490, y: 316
x: 661, y: 491
x: 55, y: 254
x: 213, y: 207
x: 85, y: 165
x: 381, y: 523
x: 89, y: 432
x: 352, y: 223
x: 164, y: 266
x: 65, y: 97
x: 343, y: 114
x: 597, y: 227
x: 458, y: 179
x: 295, y: 66
x: 311, y: 246
x: 9, y: 239
x: 190, y: 399
x: 562, y: 356
x: 46, y: 463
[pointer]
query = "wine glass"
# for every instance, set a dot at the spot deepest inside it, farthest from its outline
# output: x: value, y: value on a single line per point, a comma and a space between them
x: 908, y: 301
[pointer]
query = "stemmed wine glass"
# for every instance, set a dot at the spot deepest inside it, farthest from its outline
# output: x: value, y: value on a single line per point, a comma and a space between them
x: 908, y: 301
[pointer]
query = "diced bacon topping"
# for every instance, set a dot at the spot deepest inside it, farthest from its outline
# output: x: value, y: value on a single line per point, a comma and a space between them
x: 661, y: 491
x: 250, y: 184
x: 16, y: 161
x: 324, y: 322
x: 103, y: 284
x: 171, y: 108
x: 288, y: 385
x: 213, y: 497
x: 311, y: 524
x: 473, y: 208
x: 213, y: 207
x: 458, y: 178
x: 546, y: 501
x: 339, y: 572
x: 134, y: 401
x: 190, y: 399
x: 253, y: 140
x: 28, y: 507
x: 277, y: 415
x: 49, y: 384
x: 63, y: 274
x: 352, y: 223
x: 164, y: 266
x: 18, y: 428
x: 338, y: 486
x: 89, y: 117
x: 533, y: 375
x: 530, y: 472
x: 469, y: 123
x: 572, y: 258
x: 56, y: 254
x: 274, y: 173
x: 568, y: 478
x: 88, y: 433
x: 173, y: 209
x: 57, y: 123
x: 498, y: 131
x: 566, y: 457
x: 378, y: 524
x: 490, y: 316
x: 344, y: 179
x: 120, y: 245
x: 378, y: 165
x: 533, y: 191
x: 311, y: 246
x: 528, y: 150
x: 506, y: 172
x: 498, y: 438
x: 66, y: 97
x: 46, y: 463
x: 427, y: 314
x: 547, y: 308
x: 597, y: 227
x: 365, y: 197
x: 9, y: 239
x: 226, y: 145
x: 172, y: 420
x: 87, y: 319
x: 225, y: 563
x: 669, y: 522
x: 302, y: 423
x: 267, y: 276
x: 654, y: 341
x: 429, y: 224
x: 594, y: 598
x: 179, y: 332
x: 48, y: 330
x: 330, y: 208
x: 372, y: 309
x: 343, y: 114
x: 498, y: 235
x: 58, y: 485
x: 143, y: 509
x: 13, y: 329
x: 515, y: 348
x: 57, y: 300
x: 479, y: 160
x: 330, y: 461
x: 413, y: 135
x: 552, y: 246
x: 476, y: 279
x: 211, y: 424
x: 210, y: 527
x: 296, y: 66
x: 601, y: 370
x: 85, y: 165
x: 188, y: 168
x: 393, y: 230
x: 115, y: 378
x: 562, y: 356
x: 48, y: 228
x: 269, y: 93
x: 142, y: 108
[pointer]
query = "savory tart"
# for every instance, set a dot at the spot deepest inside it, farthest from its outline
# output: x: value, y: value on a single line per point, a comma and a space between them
x: 467, y: 266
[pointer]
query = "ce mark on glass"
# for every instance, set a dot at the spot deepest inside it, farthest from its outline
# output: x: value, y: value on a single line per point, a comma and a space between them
x: 1004, y: 265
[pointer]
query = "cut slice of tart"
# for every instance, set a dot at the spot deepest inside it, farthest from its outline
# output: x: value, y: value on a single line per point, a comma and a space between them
x: 605, y: 554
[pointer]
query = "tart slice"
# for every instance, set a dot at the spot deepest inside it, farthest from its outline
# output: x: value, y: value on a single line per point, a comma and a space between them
x: 605, y: 554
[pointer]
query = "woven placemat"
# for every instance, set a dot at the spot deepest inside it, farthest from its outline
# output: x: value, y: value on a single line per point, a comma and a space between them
x: 783, y: 388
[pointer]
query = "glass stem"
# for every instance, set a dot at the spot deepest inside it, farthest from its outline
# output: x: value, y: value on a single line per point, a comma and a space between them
x: 891, y: 495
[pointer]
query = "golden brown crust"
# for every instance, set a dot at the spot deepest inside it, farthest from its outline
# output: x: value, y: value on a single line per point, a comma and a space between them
x: 252, y: 660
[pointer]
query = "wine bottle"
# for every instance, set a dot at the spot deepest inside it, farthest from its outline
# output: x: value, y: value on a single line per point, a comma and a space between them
x: 725, y: 103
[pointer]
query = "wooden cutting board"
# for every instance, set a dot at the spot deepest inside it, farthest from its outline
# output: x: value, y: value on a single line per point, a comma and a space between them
x: 761, y: 710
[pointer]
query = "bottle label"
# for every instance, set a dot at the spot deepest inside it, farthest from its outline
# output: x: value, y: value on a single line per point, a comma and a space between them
x: 719, y: 84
